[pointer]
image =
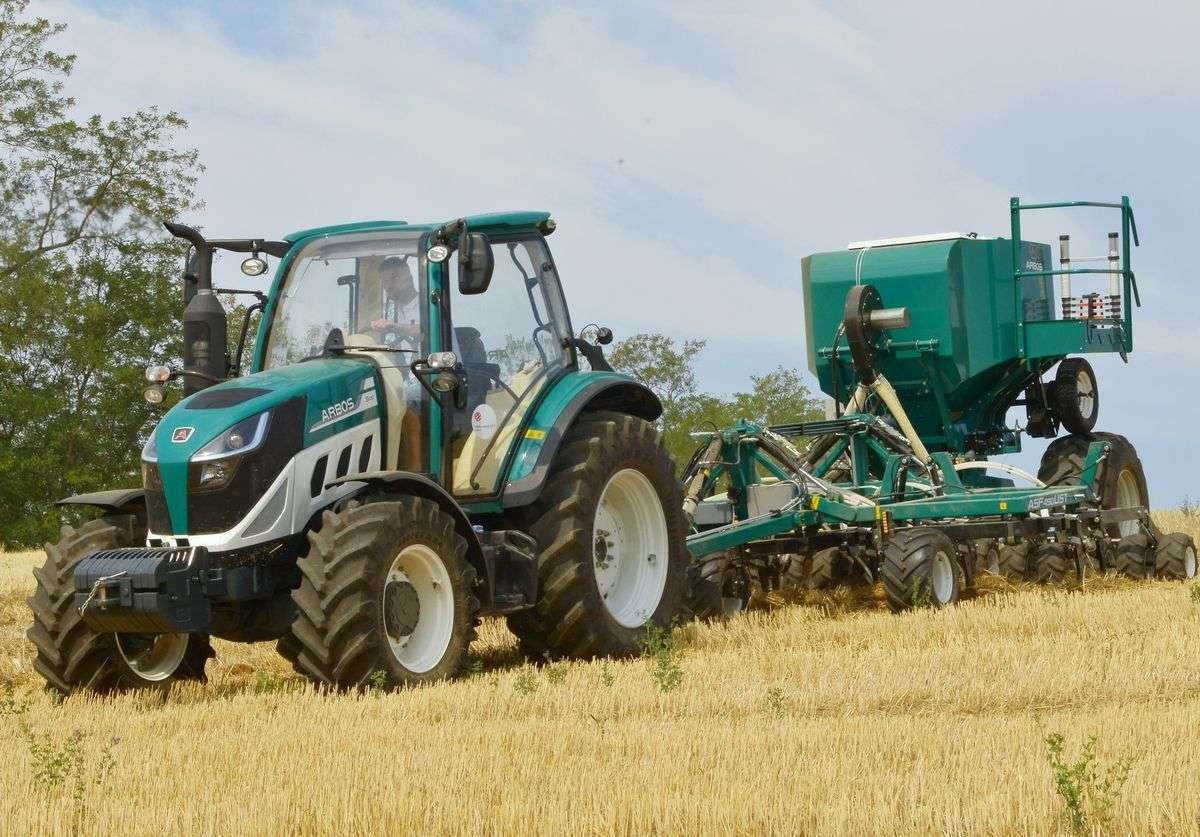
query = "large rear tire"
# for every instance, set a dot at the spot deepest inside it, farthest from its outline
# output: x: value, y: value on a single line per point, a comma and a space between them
x: 921, y: 567
x: 1122, y: 478
x: 611, y: 530
x: 385, y: 592
x: 70, y: 655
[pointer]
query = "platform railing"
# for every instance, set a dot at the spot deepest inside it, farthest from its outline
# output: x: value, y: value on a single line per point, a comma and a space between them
x: 1129, y: 239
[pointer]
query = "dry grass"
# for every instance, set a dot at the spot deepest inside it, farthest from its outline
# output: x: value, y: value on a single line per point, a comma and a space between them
x: 831, y: 718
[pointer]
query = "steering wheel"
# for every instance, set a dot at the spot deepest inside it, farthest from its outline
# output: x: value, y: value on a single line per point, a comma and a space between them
x: 394, y: 338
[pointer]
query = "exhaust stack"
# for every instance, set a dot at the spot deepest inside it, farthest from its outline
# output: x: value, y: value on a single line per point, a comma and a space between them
x: 205, y: 324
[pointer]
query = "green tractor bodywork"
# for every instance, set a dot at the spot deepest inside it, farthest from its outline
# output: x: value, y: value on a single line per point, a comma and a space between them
x: 392, y: 409
x: 929, y: 341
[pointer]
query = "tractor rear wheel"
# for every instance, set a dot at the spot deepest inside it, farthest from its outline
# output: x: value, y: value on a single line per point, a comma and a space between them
x: 1122, y: 479
x: 1134, y: 557
x: 70, y: 655
x: 1175, y: 558
x: 717, y: 587
x: 385, y: 592
x: 611, y: 529
x: 921, y: 567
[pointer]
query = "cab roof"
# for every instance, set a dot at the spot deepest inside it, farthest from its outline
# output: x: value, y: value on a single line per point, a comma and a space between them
x: 487, y: 222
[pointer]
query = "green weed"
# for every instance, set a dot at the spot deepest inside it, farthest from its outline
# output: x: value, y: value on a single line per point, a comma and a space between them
x: 664, y: 649
x: 1088, y: 789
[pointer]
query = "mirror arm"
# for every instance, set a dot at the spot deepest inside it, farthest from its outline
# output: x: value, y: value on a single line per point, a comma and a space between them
x: 241, y: 344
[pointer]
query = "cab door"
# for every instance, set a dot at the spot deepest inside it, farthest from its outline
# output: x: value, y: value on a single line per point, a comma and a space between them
x: 512, y: 342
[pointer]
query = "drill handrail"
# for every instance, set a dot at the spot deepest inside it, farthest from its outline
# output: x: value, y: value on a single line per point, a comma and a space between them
x: 1130, y: 289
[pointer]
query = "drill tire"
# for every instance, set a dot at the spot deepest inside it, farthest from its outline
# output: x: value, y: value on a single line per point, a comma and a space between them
x: 911, y: 563
x: 1175, y: 558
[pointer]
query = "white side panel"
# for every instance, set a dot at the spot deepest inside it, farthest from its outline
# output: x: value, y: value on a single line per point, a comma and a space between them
x: 300, y: 505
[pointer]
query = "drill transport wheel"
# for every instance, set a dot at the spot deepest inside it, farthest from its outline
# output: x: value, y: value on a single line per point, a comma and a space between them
x: 717, y: 587
x: 921, y: 567
x: 1134, y: 557
x: 1175, y: 558
x: 1076, y: 397
x: 70, y: 655
x: 1051, y: 563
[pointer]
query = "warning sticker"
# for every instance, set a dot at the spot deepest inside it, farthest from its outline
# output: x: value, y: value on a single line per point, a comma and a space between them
x: 483, y: 422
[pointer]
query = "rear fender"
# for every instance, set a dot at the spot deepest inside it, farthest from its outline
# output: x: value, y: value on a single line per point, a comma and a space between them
x: 576, y: 394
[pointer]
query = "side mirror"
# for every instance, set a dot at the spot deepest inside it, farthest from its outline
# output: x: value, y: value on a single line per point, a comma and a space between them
x: 475, y: 264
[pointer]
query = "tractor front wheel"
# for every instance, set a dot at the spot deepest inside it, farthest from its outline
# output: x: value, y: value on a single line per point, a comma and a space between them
x: 921, y: 567
x: 385, y: 596
x: 70, y: 655
x: 611, y: 529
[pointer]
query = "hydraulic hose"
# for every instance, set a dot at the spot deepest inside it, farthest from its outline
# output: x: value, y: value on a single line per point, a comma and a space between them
x: 695, y: 486
x: 887, y: 394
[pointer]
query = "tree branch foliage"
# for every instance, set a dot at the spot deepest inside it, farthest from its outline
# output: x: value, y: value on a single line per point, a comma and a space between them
x: 86, y: 298
x: 777, y: 397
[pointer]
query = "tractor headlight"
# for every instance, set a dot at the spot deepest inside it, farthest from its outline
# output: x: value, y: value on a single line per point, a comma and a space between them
x: 243, y: 437
x: 215, y: 464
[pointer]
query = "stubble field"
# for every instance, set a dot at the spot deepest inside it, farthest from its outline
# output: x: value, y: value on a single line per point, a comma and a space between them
x: 826, y: 715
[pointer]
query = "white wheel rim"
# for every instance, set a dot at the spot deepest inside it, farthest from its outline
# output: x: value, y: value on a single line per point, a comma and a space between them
x: 1128, y: 496
x: 630, y: 548
x: 1085, y: 387
x: 1189, y: 563
x: 941, y: 578
x: 418, y: 640
x: 156, y: 661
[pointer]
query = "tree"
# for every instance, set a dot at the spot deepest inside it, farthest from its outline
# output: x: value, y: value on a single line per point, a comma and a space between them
x: 86, y: 301
x: 777, y: 397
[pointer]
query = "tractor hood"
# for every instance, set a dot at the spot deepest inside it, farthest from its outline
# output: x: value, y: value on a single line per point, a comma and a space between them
x: 307, y: 402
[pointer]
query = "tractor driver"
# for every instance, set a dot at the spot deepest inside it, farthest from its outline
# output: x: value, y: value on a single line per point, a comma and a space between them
x: 402, y: 313
x: 402, y: 319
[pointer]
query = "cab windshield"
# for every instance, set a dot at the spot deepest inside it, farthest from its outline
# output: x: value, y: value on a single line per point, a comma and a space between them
x: 365, y: 285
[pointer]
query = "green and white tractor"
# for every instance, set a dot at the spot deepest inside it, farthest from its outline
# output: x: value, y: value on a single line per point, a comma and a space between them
x: 415, y: 446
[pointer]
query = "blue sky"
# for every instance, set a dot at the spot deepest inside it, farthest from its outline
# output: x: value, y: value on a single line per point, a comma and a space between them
x: 694, y: 152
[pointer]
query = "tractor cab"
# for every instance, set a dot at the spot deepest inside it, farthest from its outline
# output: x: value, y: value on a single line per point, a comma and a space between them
x: 459, y: 364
